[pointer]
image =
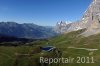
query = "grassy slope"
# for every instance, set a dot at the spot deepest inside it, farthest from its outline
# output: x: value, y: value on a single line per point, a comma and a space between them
x: 73, y: 39
x: 62, y: 42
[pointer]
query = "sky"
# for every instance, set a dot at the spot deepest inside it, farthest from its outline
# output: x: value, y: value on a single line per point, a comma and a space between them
x: 42, y: 12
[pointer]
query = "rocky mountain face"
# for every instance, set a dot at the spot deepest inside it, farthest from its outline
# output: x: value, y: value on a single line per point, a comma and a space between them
x: 63, y: 27
x: 93, y: 18
x: 90, y: 21
x: 26, y: 30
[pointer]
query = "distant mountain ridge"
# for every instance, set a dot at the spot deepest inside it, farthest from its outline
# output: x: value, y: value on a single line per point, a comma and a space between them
x: 26, y: 30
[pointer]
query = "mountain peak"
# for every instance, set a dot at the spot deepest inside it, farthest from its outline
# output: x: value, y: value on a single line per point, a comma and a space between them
x: 92, y: 15
x: 90, y: 21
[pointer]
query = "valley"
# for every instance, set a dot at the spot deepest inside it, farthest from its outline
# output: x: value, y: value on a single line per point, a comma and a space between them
x: 68, y: 45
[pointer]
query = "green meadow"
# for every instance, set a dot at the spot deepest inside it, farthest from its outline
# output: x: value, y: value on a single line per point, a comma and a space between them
x: 70, y: 45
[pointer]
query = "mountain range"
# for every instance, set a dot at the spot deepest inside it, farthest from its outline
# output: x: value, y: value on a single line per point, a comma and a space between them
x: 26, y: 30
x: 90, y: 21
